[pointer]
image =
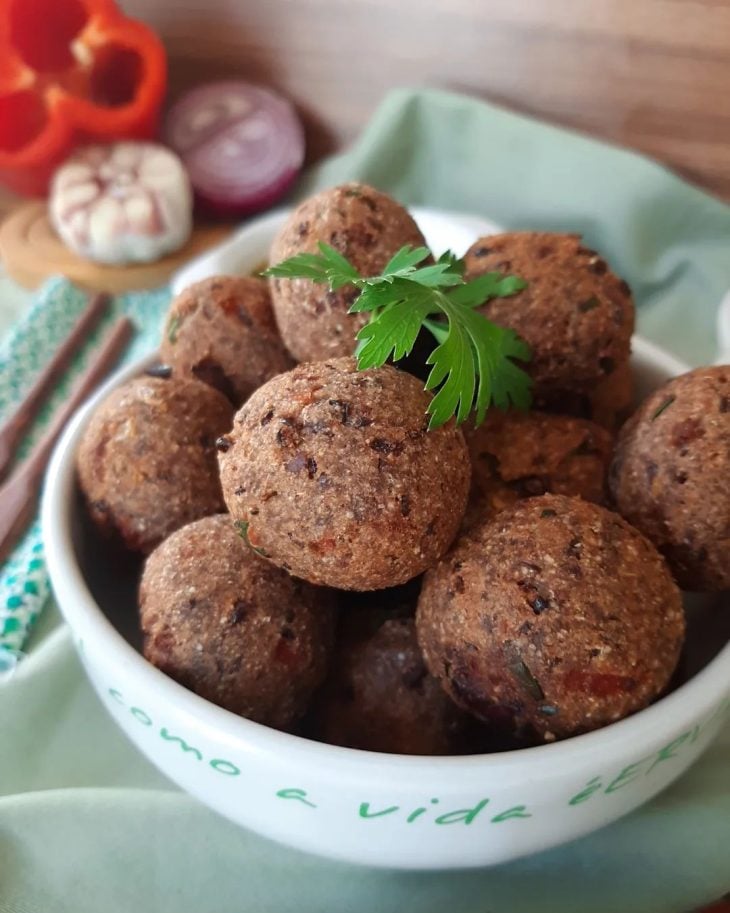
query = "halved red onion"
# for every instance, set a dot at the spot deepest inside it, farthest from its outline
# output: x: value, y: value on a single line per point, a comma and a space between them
x: 242, y: 145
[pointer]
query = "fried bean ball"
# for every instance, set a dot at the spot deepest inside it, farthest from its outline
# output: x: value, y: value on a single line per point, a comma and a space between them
x: 222, y: 331
x: 146, y: 463
x: 231, y: 627
x: 380, y: 696
x: 338, y: 479
x: 576, y: 315
x: 518, y: 455
x: 608, y: 404
x: 364, y: 225
x: 670, y: 475
x: 554, y: 618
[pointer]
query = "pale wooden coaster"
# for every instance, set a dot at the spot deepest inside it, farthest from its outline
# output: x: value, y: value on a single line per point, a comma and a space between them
x: 31, y: 252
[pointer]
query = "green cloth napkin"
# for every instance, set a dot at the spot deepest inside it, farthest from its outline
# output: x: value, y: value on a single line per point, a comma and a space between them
x: 86, y: 824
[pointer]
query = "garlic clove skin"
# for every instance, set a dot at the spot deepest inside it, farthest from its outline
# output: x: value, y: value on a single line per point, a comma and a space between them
x: 124, y: 203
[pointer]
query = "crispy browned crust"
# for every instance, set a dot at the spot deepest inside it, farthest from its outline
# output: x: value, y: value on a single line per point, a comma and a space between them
x: 381, y: 697
x: 364, y: 225
x: 556, y: 617
x: 576, y: 315
x: 232, y: 627
x: 670, y: 475
x: 147, y: 462
x: 518, y: 455
x: 222, y: 331
x: 338, y: 478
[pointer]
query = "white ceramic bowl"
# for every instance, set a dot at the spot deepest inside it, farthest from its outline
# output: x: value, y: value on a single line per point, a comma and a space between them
x: 376, y: 809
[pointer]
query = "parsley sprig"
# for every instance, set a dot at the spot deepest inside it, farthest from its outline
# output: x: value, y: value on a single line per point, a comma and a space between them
x: 472, y: 365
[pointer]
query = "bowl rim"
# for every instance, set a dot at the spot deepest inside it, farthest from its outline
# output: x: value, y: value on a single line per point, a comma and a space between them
x: 680, y: 709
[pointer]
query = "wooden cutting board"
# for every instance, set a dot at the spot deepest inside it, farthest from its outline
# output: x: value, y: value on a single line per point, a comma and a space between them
x: 31, y: 251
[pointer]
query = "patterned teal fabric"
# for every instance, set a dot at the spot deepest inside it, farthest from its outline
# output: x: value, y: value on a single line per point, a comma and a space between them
x: 29, y: 346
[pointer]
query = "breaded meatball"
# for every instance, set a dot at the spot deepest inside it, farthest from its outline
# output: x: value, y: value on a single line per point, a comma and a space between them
x: 612, y: 399
x: 222, y: 331
x: 231, y: 627
x: 608, y: 404
x: 337, y: 478
x: 146, y: 463
x: 518, y: 455
x: 364, y: 225
x: 670, y: 475
x: 380, y: 696
x: 555, y: 618
x: 575, y: 314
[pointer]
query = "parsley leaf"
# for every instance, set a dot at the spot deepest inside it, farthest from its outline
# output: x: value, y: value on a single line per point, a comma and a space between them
x: 396, y: 326
x: 490, y: 285
x: 473, y: 363
x: 327, y: 266
x: 405, y: 261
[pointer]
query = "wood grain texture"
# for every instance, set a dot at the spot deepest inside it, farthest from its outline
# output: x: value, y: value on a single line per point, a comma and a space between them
x: 651, y: 74
x: 31, y: 252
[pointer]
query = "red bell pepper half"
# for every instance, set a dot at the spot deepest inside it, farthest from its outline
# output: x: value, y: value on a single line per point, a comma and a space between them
x: 72, y: 71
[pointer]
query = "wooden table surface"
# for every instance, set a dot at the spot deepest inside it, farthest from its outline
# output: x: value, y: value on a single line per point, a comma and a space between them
x: 652, y: 74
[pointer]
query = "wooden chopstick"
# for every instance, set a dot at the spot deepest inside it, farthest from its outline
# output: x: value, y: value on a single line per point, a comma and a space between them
x: 13, y: 429
x: 19, y: 495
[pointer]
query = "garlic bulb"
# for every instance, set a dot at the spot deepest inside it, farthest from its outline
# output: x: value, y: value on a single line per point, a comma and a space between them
x: 128, y: 202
